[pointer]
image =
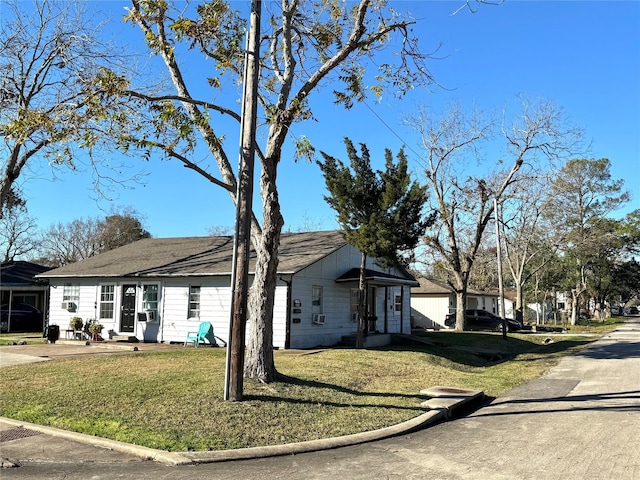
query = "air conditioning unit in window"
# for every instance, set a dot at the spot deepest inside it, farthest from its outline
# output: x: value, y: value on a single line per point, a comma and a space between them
x: 354, y: 317
x: 147, y: 316
x: 319, y: 318
x: 67, y: 306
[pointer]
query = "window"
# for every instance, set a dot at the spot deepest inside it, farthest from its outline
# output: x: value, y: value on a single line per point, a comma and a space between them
x: 316, y: 299
x: 107, y: 296
x: 397, y: 304
x: 150, y: 298
x: 194, y: 302
x: 71, y: 293
x: 354, y: 294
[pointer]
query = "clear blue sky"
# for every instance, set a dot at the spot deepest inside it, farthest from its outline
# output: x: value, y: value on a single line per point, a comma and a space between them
x: 585, y: 56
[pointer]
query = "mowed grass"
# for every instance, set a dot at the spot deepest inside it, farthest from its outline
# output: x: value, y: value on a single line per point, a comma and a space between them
x: 173, y: 400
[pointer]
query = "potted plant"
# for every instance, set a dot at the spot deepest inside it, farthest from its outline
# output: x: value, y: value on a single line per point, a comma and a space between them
x: 76, y: 323
x: 95, y: 329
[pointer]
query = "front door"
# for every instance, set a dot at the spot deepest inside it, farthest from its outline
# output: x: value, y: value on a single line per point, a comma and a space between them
x: 128, y: 314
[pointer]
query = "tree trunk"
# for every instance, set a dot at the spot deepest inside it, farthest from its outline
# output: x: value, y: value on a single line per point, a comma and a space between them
x: 362, y: 314
x: 461, y: 303
x: 259, y: 361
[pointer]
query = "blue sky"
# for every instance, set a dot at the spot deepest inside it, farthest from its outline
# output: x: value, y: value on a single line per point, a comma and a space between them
x: 585, y: 56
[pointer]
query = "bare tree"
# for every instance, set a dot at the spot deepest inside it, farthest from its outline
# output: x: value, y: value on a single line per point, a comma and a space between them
x: 465, y: 201
x: 67, y: 243
x: 64, y: 243
x: 307, y: 45
x: 530, y: 239
x: 49, y: 60
x: 18, y: 233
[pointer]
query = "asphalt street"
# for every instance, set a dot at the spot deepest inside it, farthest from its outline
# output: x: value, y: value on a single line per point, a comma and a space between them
x: 580, y: 421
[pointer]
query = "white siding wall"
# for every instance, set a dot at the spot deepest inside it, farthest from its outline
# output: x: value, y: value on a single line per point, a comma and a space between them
x: 215, y: 300
x: 429, y: 311
x: 336, y: 302
x: 171, y: 323
x: 85, y: 306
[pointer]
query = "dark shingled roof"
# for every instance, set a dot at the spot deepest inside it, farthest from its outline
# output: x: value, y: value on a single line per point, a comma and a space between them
x: 197, y: 256
x: 20, y: 274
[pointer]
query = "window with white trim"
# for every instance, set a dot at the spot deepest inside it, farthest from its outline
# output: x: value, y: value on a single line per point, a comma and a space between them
x: 316, y: 299
x: 397, y: 304
x: 150, y: 298
x: 71, y: 293
x: 107, y: 298
x: 194, y: 302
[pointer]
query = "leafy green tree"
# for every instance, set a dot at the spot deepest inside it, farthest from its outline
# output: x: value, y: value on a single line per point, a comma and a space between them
x: 583, y: 196
x: 380, y: 212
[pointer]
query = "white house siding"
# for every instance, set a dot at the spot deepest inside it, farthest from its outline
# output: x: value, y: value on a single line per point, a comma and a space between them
x: 171, y: 323
x: 215, y: 302
x: 86, y: 307
x: 430, y: 311
x: 336, y: 302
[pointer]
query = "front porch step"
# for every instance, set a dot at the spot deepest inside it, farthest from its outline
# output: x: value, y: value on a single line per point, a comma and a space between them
x: 125, y: 338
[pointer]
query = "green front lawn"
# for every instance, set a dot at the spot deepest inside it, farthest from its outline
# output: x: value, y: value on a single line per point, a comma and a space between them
x: 173, y: 400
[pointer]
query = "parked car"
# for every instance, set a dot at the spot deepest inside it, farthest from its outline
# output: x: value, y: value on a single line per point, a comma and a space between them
x: 24, y: 318
x: 631, y: 311
x: 476, y: 319
x: 616, y: 310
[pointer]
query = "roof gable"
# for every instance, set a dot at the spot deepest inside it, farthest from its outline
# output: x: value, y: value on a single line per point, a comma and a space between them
x: 197, y: 256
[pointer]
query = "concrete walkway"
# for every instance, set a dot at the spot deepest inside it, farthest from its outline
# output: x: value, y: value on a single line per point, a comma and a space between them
x: 581, y: 421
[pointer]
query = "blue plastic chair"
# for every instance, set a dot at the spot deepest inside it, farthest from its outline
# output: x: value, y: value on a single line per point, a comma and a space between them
x: 204, y: 333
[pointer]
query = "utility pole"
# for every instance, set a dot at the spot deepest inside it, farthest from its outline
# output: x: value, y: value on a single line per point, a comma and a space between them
x: 503, y: 314
x: 242, y: 240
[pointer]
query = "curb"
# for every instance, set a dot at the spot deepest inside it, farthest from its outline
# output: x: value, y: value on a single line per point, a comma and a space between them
x: 441, y: 407
x: 145, y: 453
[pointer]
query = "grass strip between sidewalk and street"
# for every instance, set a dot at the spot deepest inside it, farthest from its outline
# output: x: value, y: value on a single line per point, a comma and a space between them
x: 173, y: 400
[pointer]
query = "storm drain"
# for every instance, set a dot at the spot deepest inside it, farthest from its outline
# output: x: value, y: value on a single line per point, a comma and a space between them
x: 16, y: 433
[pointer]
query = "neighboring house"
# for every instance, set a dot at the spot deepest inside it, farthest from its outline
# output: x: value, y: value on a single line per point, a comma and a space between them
x: 510, y: 298
x: 432, y: 300
x: 159, y: 289
x: 18, y: 285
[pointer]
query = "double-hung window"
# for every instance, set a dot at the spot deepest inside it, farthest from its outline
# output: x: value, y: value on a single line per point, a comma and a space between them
x: 107, y: 297
x: 150, y: 300
x: 316, y: 299
x: 194, y: 301
x: 71, y: 293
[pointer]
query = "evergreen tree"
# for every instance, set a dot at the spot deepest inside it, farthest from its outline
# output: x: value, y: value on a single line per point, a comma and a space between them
x: 380, y: 213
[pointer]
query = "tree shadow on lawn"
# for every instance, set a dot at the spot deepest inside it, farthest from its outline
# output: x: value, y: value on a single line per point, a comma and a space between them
x: 314, y: 384
x: 472, y: 350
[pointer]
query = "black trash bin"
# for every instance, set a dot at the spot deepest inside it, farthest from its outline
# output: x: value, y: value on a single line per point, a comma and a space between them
x: 53, y: 333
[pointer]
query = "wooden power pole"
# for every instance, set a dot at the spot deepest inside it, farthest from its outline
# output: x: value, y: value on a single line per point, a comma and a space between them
x: 503, y: 314
x: 242, y: 241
